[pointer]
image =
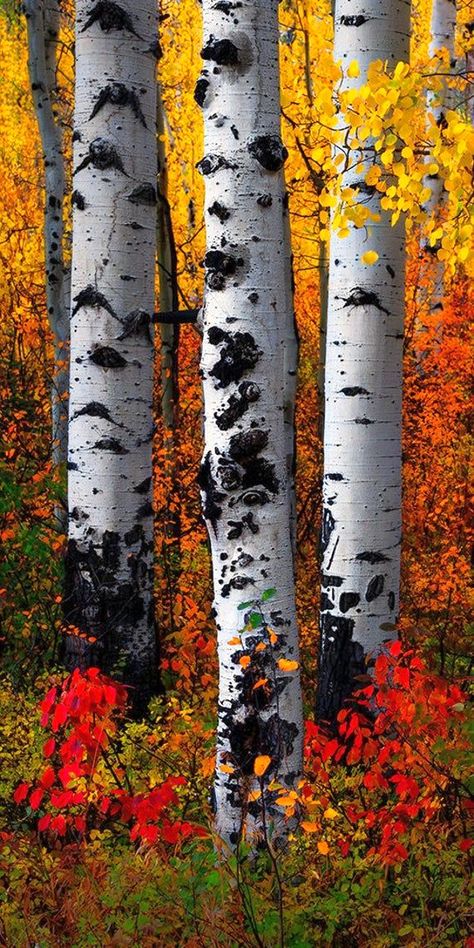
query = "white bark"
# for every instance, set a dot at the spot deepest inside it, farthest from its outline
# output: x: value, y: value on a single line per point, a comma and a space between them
x: 248, y: 366
x: 41, y: 30
x: 361, y: 529
x: 110, y: 560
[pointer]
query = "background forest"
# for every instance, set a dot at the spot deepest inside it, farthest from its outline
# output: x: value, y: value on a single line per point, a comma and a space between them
x: 106, y: 825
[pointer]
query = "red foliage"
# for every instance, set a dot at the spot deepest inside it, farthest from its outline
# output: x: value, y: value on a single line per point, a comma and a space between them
x: 83, y: 714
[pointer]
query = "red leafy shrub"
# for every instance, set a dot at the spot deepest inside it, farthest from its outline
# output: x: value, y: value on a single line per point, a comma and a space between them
x: 83, y: 785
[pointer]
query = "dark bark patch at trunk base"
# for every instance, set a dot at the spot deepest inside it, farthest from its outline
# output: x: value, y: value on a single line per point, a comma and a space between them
x: 341, y: 662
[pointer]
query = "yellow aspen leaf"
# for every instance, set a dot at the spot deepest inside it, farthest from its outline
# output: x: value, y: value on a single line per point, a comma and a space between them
x: 330, y: 814
x: 260, y: 647
x: 244, y: 661
x: 285, y: 801
x: 260, y: 683
x: 353, y: 70
x: 226, y: 769
x: 287, y: 664
x: 273, y: 637
x: 234, y: 641
x: 253, y: 795
x: 323, y: 847
x: 261, y: 764
x: 309, y: 827
x: 370, y: 257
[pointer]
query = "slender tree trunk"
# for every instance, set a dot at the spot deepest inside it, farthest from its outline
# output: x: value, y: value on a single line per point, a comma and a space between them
x: 443, y: 26
x: 169, y: 335
x: 361, y: 528
x: 42, y: 20
x: 248, y: 353
x: 110, y: 553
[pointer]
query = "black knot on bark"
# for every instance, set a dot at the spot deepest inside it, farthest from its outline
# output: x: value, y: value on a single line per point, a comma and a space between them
x: 239, y: 353
x: 212, y: 163
x: 118, y: 94
x: 246, y: 444
x: 110, y: 444
x: 223, y: 52
x: 103, y: 155
x: 200, y: 90
x: 143, y: 194
x: 135, y: 324
x: 219, y: 265
x: 109, y: 16
x: 220, y: 211
x: 89, y: 296
x: 357, y: 20
x: 269, y: 151
x: 108, y: 358
x: 77, y: 200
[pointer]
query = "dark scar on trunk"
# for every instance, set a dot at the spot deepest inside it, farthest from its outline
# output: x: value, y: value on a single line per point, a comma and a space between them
x: 78, y: 200
x: 200, y: 91
x: 212, y: 163
x: 135, y: 324
x: 219, y: 265
x: 108, y: 358
x: 103, y: 155
x: 375, y: 588
x: 238, y: 353
x: 91, y: 297
x: 211, y: 496
x: 341, y: 661
x: 390, y: 270
x: 348, y: 600
x: 96, y: 410
x: 363, y: 421
x: 361, y: 297
x: 143, y: 487
x: 372, y: 557
x: 223, y: 52
x: 117, y: 94
x: 238, y: 526
x: 357, y: 20
x: 326, y: 605
x: 327, y: 581
x: 354, y: 390
x: 334, y: 477
x: 220, y: 211
x: 110, y: 444
x: 237, y: 405
x: 143, y: 194
x: 146, y: 510
x: 269, y: 151
x: 327, y: 527
x: 244, y: 445
x: 72, y: 466
x: 265, y: 200
x: 391, y: 600
x: 109, y: 16
x: 237, y: 582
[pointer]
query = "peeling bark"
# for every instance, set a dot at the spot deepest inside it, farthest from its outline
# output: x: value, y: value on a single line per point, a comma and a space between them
x: 248, y: 377
x: 361, y: 529
x: 110, y: 551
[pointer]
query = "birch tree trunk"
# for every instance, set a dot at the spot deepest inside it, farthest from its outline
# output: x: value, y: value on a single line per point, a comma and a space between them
x: 110, y: 553
x: 361, y: 526
x: 42, y: 20
x: 248, y: 370
x: 443, y: 26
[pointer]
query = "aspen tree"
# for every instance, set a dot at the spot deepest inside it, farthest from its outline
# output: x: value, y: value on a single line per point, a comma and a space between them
x: 442, y: 26
x: 42, y: 21
x: 248, y: 369
x: 110, y: 554
x: 361, y: 521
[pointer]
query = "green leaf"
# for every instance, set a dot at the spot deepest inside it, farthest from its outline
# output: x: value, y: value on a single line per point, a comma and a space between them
x: 245, y: 605
x: 268, y: 594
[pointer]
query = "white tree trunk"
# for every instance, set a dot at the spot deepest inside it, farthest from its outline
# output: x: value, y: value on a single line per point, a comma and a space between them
x: 110, y: 557
x: 248, y: 369
x: 42, y: 24
x: 443, y: 26
x: 361, y: 529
